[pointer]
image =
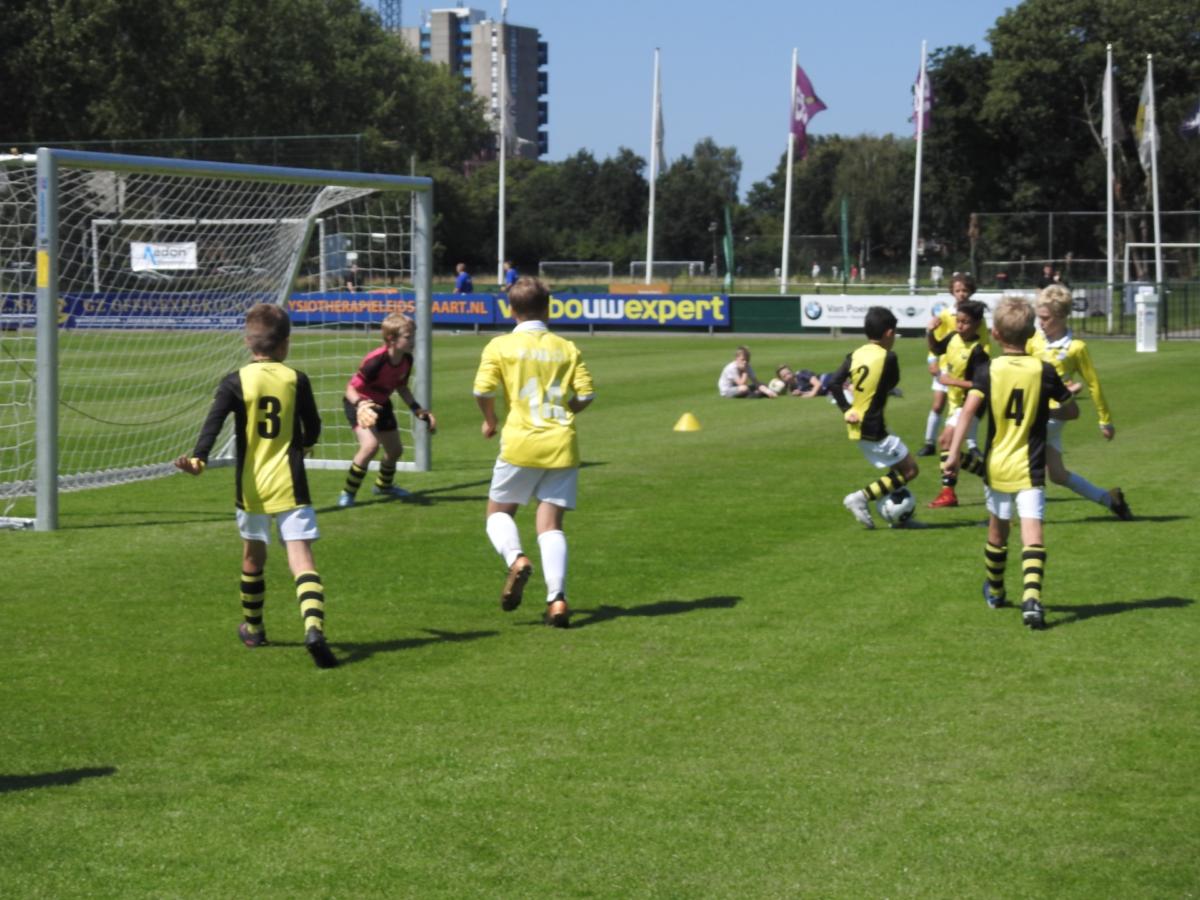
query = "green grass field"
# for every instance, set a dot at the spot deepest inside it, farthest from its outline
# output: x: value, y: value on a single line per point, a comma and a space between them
x: 759, y: 698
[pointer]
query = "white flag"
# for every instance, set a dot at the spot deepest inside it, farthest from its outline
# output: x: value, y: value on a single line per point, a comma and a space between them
x: 659, y: 156
x: 1106, y: 130
x: 1147, y: 130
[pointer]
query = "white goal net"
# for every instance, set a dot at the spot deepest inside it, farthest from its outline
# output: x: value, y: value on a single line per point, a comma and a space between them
x: 124, y: 282
x: 561, y: 270
x: 668, y: 268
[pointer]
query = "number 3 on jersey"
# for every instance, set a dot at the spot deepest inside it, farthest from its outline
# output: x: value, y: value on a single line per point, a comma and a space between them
x: 541, y: 410
x: 269, y: 425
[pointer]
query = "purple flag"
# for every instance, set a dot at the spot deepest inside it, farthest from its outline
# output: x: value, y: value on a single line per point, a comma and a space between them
x: 805, y: 105
x: 922, y: 104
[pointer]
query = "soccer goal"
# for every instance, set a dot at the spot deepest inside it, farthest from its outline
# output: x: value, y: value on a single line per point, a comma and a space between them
x: 668, y: 268
x: 573, y: 269
x: 124, y: 283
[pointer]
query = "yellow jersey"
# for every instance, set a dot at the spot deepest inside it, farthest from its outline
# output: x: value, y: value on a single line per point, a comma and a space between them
x: 538, y: 371
x: 1017, y: 389
x: 1073, y: 362
x: 873, y: 371
x: 959, y: 358
x: 276, y: 420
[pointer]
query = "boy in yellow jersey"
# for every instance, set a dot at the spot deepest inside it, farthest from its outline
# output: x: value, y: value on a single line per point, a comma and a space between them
x: 961, y: 353
x: 1055, y: 344
x: 276, y: 422
x: 873, y: 371
x: 962, y: 288
x: 545, y: 383
x: 1017, y: 389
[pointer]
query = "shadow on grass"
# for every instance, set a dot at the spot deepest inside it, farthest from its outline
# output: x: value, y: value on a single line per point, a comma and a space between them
x: 416, y: 498
x: 1066, y: 614
x: 145, y: 517
x: 1109, y: 517
x: 52, y: 779
x: 581, y: 618
x: 356, y: 652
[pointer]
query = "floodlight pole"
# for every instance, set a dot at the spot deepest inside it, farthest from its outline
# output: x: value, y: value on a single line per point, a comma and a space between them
x: 503, y: 139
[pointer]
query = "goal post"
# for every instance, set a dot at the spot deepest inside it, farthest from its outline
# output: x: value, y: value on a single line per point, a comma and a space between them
x: 124, y: 283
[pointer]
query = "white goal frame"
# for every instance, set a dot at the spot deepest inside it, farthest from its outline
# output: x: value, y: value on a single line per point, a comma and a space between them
x: 47, y: 482
x: 604, y: 268
x: 668, y: 268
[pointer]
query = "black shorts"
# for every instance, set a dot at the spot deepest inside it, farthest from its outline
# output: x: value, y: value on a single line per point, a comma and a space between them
x: 385, y: 422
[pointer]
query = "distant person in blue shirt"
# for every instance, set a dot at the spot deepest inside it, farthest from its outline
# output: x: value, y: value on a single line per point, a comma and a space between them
x: 462, y: 281
x: 510, y: 276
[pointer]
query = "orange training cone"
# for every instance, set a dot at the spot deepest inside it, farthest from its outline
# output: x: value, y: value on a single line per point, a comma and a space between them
x: 687, y: 422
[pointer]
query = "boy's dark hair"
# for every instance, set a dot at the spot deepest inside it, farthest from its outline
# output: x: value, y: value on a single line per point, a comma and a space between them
x: 267, y: 327
x: 967, y: 279
x: 973, y: 310
x: 877, y: 322
x: 529, y: 296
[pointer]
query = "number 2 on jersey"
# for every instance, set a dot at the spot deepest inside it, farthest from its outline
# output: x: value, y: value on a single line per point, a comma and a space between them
x: 540, y: 410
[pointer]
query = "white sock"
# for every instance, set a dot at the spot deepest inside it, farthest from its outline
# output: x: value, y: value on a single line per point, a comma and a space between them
x: 1085, y: 488
x: 972, y: 432
x: 931, y: 426
x: 553, y: 547
x: 502, y: 532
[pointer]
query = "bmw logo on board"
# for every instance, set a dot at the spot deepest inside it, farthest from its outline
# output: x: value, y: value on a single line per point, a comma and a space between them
x: 813, y: 310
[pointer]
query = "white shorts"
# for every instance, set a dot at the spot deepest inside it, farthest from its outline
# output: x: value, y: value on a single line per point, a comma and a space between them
x: 952, y: 419
x: 299, y: 524
x: 1054, y: 433
x: 884, y: 454
x: 938, y: 387
x: 516, y: 484
x: 1030, y: 503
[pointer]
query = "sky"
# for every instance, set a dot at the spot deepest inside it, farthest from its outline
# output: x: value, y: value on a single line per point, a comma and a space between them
x: 726, y: 67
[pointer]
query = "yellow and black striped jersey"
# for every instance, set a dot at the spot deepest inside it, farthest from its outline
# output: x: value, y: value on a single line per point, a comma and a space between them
x: 873, y: 372
x: 538, y: 372
x: 1072, y: 361
x: 276, y: 420
x: 960, y: 356
x: 1017, y: 390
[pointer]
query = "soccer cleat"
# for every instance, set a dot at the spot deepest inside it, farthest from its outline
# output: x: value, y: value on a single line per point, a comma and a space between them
x: 946, y: 498
x: 318, y: 649
x: 859, y: 508
x: 1032, y: 614
x: 397, y: 493
x: 514, y: 585
x: 345, y: 499
x: 927, y: 450
x: 252, y: 638
x: 995, y: 601
x: 1119, y: 506
x: 558, y: 614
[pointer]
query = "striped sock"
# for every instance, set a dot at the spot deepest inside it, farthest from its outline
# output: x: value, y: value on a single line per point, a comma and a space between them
x: 1033, y: 566
x: 995, y: 559
x: 947, y: 480
x: 253, y: 592
x: 387, y: 473
x: 311, y: 595
x: 880, y: 488
x: 354, y: 478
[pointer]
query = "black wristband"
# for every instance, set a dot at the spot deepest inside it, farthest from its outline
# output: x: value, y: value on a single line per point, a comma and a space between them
x: 414, y: 406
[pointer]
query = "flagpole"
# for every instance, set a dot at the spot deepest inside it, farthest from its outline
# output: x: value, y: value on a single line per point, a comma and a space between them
x: 1152, y: 114
x: 787, y: 191
x: 919, y: 108
x: 655, y: 137
x: 1107, y: 138
x: 503, y: 137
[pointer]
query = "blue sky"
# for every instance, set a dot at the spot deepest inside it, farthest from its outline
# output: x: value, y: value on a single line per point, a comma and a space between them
x: 725, y: 67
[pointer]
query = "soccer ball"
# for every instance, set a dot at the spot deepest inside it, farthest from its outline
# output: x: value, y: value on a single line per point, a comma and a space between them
x: 898, y: 506
x: 777, y: 385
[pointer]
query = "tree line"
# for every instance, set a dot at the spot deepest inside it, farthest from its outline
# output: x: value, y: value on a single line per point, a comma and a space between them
x: 1014, y: 129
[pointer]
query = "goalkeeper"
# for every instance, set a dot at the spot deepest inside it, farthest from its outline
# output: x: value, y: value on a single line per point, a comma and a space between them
x: 369, y: 411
